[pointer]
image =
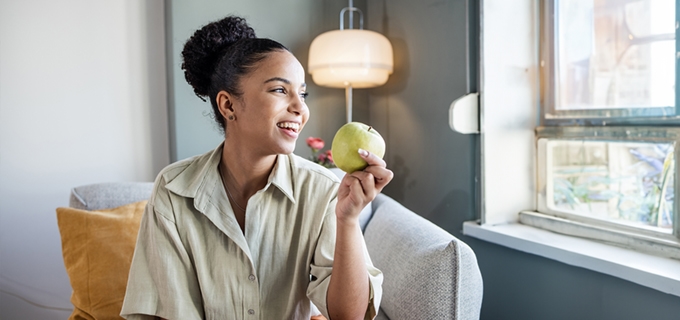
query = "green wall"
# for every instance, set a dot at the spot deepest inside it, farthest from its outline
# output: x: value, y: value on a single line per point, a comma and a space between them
x: 435, y: 168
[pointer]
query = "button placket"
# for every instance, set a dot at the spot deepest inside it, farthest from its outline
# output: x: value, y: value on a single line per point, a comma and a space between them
x: 253, y: 298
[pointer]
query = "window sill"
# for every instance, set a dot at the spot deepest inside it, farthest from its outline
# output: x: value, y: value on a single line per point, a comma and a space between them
x: 644, y: 269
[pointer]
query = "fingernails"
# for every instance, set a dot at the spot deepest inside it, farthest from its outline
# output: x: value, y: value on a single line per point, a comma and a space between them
x: 363, y: 153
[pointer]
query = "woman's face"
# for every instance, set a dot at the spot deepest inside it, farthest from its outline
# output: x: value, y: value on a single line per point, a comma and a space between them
x: 272, y: 111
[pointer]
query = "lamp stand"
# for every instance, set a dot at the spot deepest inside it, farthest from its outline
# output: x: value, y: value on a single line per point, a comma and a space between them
x: 348, y: 102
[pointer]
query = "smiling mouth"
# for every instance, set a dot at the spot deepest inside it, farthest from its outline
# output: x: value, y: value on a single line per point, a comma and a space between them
x: 292, y: 126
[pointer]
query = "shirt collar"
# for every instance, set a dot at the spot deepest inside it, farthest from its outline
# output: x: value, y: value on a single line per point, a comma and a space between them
x: 201, y: 176
x: 282, y: 176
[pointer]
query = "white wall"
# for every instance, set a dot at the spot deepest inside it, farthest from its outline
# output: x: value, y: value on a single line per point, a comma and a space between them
x: 82, y: 100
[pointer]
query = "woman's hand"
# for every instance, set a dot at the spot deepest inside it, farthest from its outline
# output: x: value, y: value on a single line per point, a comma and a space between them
x: 360, y: 187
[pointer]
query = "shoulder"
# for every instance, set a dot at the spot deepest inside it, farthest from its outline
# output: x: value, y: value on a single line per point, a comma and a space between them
x: 173, y: 170
x: 160, y: 197
x: 178, y: 180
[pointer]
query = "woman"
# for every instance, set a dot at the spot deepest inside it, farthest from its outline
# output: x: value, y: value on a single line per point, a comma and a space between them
x: 249, y: 230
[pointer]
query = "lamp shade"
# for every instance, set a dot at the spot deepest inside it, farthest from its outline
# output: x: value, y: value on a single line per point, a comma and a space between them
x: 356, y: 57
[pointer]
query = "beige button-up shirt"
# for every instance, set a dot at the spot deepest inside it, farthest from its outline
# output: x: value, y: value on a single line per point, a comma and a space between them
x: 192, y: 261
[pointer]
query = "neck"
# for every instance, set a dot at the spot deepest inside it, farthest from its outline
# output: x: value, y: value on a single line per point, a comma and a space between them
x: 244, y: 172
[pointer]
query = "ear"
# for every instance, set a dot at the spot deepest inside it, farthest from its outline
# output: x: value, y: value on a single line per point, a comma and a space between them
x: 225, y: 104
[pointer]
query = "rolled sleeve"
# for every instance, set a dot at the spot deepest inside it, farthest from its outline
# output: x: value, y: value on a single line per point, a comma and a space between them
x: 375, y: 278
x: 321, y: 269
x: 162, y: 281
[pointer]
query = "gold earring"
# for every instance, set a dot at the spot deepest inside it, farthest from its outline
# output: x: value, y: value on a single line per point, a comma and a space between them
x: 231, y: 117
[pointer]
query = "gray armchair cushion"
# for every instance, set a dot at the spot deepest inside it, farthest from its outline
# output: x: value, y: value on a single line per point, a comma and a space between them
x: 429, y: 274
x: 109, y: 195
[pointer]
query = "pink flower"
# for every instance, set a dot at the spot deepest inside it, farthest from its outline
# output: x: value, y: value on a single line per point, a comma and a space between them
x: 323, y: 158
x: 315, y: 143
x: 329, y: 156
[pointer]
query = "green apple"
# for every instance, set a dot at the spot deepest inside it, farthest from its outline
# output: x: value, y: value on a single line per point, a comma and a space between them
x: 349, y: 139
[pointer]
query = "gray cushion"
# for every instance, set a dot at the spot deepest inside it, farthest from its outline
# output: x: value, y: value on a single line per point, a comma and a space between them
x: 429, y: 274
x: 109, y: 195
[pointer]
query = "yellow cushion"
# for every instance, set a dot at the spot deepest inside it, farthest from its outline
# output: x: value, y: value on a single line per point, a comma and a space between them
x: 97, y: 247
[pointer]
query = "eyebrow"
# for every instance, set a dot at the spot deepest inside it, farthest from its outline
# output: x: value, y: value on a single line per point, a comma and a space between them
x: 286, y: 81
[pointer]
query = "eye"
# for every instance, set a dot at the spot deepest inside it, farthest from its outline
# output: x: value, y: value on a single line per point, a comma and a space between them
x: 279, y: 90
x: 304, y: 95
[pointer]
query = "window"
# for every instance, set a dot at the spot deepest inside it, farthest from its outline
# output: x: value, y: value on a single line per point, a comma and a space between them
x: 608, y: 145
x: 513, y: 90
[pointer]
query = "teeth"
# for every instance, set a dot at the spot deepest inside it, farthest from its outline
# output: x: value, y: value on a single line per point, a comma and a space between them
x: 289, y: 125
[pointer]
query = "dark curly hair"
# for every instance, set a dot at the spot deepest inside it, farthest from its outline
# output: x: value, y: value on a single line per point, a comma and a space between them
x: 216, y: 57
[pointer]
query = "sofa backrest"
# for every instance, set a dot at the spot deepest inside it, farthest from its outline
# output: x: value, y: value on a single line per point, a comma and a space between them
x: 429, y: 274
x: 109, y: 195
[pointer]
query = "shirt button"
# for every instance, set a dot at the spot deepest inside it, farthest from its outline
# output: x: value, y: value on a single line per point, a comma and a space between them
x: 251, y: 277
x: 251, y: 312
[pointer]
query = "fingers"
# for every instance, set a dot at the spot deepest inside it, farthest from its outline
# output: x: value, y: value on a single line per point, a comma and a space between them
x: 367, y: 181
x: 382, y: 175
x: 354, y: 190
x: 372, y: 159
x: 378, y: 168
x: 361, y: 187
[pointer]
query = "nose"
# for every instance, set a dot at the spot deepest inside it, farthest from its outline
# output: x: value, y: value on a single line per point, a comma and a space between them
x: 297, y: 105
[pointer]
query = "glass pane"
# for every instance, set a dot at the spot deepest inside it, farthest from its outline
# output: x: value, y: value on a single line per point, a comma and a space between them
x: 625, y: 182
x: 615, y: 54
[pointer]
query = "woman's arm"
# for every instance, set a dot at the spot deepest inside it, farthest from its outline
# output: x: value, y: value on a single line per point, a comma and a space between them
x: 348, y: 291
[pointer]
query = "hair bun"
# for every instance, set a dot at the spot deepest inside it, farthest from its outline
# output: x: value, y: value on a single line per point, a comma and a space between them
x: 203, y: 50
